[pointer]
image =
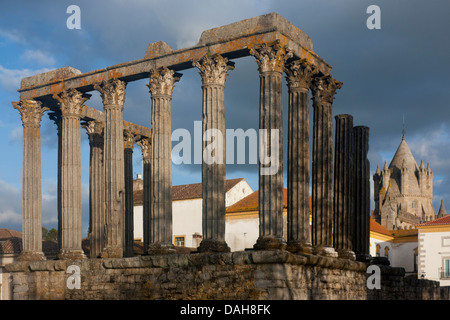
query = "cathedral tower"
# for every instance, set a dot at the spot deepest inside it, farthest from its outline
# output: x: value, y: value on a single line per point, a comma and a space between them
x: 403, y: 191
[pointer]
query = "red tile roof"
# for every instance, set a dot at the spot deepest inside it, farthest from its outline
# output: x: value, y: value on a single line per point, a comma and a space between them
x: 376, y: 227
x: 11, y: 242
x: 251, y: 203
x: 441, y: 221
x: 186, y: 191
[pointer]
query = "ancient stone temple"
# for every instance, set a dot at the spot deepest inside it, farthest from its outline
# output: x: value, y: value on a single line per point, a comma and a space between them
x: 403, y: 191
x: 310, y: 259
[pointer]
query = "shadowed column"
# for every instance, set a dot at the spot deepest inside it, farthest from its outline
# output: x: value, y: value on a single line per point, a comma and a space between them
x: 146, y: 158
x: 113, y: 96
x: 129, y: 140
x: 299, y: 76
x: 56, y: 118
x: 161, y: 84
x: 31, y: 112
x: 362, y: 194
x: 94, y: 130
x: 71, y: 103
x: 323, y: 89
x: 343, y: 200
x: 270, y: 60
x: 214, y: 71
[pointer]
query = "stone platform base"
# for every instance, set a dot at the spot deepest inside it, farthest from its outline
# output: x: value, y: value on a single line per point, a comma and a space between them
x: 245, y: 275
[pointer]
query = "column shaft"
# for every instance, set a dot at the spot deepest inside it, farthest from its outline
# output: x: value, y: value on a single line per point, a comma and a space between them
x: 146, y: 209
x: 298, y: 76
x: 70, y: 105
x: 270, y: 60
x: 343, y: 200
x: 31, y: 113
x: 213, y: 71
x: 161, y: 86
x: 96, y: 189
x: 322, y: 166
x: 128, y: 166
x: 362, y: 194
x: 113, y: 95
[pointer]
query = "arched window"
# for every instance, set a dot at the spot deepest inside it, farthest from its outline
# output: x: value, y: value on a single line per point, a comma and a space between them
x: 386, y: 252
x: 378, y: 249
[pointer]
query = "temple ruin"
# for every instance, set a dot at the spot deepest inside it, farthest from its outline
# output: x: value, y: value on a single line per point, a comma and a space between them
x: 339, y: 231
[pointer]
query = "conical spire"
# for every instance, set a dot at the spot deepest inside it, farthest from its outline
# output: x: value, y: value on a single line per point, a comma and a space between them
x: 403, y: 154
x: 378, y: 170
x: 422, y: 167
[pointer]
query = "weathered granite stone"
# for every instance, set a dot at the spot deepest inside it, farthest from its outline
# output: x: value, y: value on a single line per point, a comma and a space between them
x: 157, y: 49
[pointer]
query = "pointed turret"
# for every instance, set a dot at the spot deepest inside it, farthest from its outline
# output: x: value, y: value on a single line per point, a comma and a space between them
x: 422, y: 178
x: 386, y: 175
x: 442, y: 211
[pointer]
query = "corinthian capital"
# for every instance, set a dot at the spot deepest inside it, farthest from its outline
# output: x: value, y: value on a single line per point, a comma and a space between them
x: 271, y: 57
x: 299, y: 74
x: 146, y: 148
x: 94, y: 130
x: 112, y: 92
x: 213, y: 69
x: 31, y: 112
x: 71, y: 102
x: 129, y: 139
x: 324, y: 88
x: 162, y: 81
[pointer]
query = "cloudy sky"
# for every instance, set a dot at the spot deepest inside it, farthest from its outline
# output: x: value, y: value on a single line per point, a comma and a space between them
x: 400, y: 70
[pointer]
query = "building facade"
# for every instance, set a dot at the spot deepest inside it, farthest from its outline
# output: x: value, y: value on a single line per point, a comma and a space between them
x: 434, y: 250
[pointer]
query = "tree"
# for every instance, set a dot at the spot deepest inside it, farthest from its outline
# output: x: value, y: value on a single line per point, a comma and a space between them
x: 49, y: 235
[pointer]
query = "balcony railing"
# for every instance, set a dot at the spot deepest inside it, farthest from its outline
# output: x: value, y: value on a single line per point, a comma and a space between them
x: 444, y: 274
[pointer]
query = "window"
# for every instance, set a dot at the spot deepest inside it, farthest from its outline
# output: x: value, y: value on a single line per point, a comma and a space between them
x: 378, y: 248
x: 386, y: 252
x: 179, y: 241
x: 416, y: 251
x: 446, y: 269
x: 445, y: 241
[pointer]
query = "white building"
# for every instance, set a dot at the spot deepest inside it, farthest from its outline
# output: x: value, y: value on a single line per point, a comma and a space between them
x: 400, y: 247
x: 434, y: 250
x: 187, y: 209
x: 242, y: 222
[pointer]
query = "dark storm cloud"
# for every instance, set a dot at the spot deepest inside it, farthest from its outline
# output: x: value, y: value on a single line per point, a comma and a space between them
x: 400, y: 70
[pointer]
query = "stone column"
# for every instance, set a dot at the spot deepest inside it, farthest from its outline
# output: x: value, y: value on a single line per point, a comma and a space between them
x: 322, y: 167
x: 214, y: 71
x: 270, y: 60
x: 343, y: 200
x: 113, y: 96
x: 161, y: 84
x: 362, y: 194
x: 129, y: 140
x: 146, y: 209
x: 94, y: 129
x: 70, y: 102
x: 56, y: 118
x: 299, y: 76
x: 31, y: 112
